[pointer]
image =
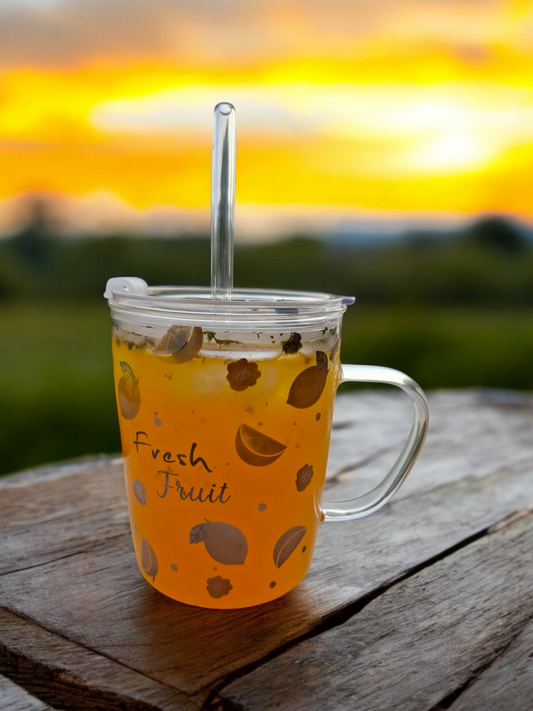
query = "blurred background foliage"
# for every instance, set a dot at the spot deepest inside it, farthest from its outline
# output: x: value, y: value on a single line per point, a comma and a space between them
x: 452, y: 310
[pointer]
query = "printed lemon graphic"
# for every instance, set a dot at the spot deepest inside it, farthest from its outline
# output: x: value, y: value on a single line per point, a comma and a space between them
x: 309, y: 385
x: 148, y: 559
x: 180, y: 344
x: 225, y: 543
x: 256, y: 448
x: 129, y: 395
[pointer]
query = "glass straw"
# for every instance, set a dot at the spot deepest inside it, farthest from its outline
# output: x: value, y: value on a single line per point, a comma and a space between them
x: 223, y: 202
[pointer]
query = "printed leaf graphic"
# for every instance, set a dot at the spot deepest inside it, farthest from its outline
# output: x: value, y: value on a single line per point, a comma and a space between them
x: 287, y: 544
x: 197, y: 534
x: 126, y: 369
x: 148, y: 559
x: 321, y: 360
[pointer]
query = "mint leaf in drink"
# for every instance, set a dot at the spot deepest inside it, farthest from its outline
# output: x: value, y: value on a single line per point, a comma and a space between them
x: 293, y: 344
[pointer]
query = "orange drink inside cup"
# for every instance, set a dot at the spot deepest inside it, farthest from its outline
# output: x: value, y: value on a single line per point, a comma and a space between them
x: 225, y: 450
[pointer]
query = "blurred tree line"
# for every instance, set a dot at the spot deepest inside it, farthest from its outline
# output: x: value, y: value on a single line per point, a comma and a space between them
x: 490, y: 263
x: 452, y: 311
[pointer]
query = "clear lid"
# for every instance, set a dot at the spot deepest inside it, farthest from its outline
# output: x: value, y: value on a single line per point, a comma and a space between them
x: 133, y: 298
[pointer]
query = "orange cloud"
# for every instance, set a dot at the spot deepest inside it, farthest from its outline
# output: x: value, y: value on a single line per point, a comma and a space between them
x: 390, y: 105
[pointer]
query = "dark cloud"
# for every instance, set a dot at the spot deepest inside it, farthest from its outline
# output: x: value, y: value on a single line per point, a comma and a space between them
x: 212, y: 31
x: 73, y: 32
x: 70, y: 33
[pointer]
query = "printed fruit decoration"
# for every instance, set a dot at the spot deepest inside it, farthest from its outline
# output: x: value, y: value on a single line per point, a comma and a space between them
x: 148, y: 559
x: 287, y: 544
x: 225, y: 543
x: 309, y: 385
x: 256, y: 448
x: 129, y: 395
x: 219, y: 586
x: 180, y: 344
x: 139, y: 491
x: 242, y: 374
x: 303, y: 477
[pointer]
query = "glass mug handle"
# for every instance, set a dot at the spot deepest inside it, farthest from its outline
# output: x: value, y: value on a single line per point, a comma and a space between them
x: 375, y: 499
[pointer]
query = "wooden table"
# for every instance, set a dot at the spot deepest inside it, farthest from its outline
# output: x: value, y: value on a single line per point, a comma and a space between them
x: 426, y: 605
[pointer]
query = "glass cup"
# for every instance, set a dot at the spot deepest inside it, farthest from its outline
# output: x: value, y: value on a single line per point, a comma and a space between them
x: 225, y: 411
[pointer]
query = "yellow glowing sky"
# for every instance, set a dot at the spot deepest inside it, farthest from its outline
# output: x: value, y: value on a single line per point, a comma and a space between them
x: 344, y: 106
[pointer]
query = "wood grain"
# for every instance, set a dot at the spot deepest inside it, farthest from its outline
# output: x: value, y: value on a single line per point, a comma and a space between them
x: 66, y: 675
x: 471, y: 433
x: 507, y: 683
x: 412, y: 646
x: 99, y: 599
x: 47, y: 519
x: 14, y: 698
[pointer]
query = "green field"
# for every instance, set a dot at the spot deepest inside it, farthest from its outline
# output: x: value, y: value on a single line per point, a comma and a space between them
x: 56, y: 385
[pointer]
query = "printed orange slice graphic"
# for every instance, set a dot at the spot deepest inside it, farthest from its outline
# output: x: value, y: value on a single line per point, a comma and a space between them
x: 180, y: 344
x: 256, y: 448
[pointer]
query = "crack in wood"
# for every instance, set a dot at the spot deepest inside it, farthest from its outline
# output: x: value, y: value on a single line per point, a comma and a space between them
x: 93, y: 547
x: 7, y: 657
x: 451, y: 698
x: 508, y: 520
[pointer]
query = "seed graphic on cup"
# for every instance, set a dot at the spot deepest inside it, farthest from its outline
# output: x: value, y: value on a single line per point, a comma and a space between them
x: 148, y: 559
x: 287, y: 544
x: 309, y: 385
x: 129, y: 395
x: 256, y: 448
x: 180, y: 344
x: 225, y: 543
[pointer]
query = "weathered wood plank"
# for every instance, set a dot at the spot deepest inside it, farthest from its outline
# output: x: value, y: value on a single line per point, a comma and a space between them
x: 50, y: 518
x: 113, y: 611
x: 507, y: 683
x: 14, y: 698
x: 57, y: 470
x: 69, y: 676
x: 471, y: 433
x: 412, y: 646
x: 84, y: 582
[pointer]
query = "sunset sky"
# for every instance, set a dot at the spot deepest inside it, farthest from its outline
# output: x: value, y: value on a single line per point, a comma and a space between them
x: 346, y: 109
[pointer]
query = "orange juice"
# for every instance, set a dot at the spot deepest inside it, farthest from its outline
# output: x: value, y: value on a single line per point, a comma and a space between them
x: 225, y: 448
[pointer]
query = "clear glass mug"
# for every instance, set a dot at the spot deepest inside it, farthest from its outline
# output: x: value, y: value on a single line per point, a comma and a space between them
x: 225, y: 411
